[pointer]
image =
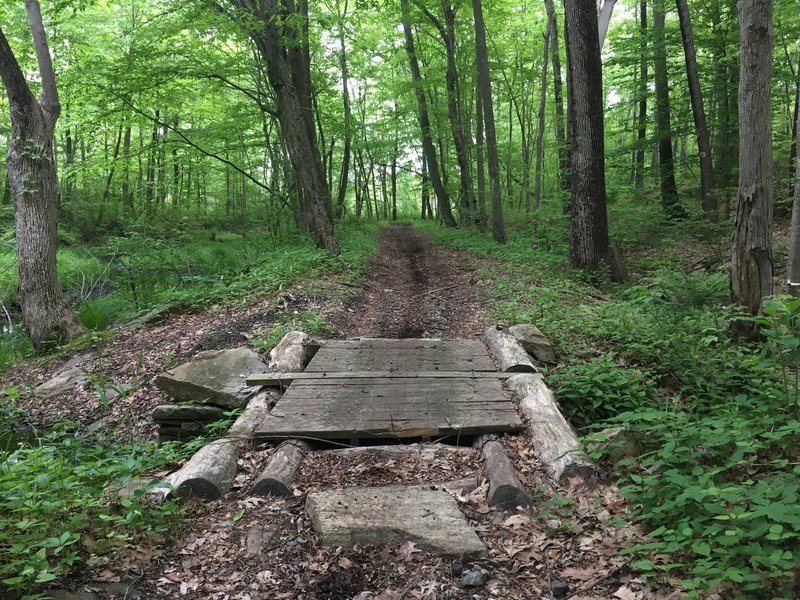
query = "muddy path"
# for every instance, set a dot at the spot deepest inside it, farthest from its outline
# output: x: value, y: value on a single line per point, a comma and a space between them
x: 416, y: 289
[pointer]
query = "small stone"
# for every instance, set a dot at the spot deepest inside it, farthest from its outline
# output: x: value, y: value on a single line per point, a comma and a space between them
x: 65, y: 381
x: 475, y: 578
x: 533, y: 341
x: 457, y: 568
x: 552, y: 524
x: 559, y: 588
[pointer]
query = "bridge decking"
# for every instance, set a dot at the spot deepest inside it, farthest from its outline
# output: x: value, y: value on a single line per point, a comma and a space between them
x: 420, y: 388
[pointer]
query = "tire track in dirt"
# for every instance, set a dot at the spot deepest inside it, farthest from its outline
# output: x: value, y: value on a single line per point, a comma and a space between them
x: 416, y: 289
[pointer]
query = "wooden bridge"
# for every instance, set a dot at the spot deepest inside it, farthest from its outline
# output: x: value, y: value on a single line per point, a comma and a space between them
x: 371, y: 389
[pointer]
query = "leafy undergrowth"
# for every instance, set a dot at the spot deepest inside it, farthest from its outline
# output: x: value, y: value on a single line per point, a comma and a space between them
x: 59, y: 507
x: 716, y: 418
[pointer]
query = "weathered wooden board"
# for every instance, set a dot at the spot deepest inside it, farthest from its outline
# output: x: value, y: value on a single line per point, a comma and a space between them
x: 334, y: 377
x: 400, y: 355
x: 380, y: 388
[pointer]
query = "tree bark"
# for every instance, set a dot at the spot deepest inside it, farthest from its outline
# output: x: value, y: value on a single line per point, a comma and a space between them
x: 479, y: 161
x: 793, y: 270
x: 669, y: 191
x: 537, y: 185
x: 751, y: 255
x: 284, y: 47
x: 442, y: 200
x: 641, y: 137
x: 348, y: 133
x: 604, y: 19
x: 485, y: 91
x: 558, y: 97
x: 589, y: 225
x: 33, y: 180
x: 708, y: 200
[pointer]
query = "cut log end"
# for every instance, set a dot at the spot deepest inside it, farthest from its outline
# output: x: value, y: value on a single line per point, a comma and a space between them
x: 507, y: 351
x: 281, y: 469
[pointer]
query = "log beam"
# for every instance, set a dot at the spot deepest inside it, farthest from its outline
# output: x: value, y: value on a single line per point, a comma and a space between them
x: 281, y: 469
x: 509, y: 353
x: 505, y: 489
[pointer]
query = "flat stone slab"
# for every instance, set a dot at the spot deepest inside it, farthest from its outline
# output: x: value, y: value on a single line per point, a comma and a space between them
x: 65, y: 381
x: 216, y: 376
x: 387, y: 515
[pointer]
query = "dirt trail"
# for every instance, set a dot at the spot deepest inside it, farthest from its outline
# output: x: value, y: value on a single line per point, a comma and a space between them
x: 416, y: 289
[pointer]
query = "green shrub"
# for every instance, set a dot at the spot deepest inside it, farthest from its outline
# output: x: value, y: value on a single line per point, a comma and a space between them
x: 58, y: 506
x: 98, y: 314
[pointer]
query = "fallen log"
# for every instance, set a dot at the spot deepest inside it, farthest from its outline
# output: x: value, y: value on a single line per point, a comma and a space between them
x: 505, y: 488
x: 510, y: 355
x: 281, y: 469
x: 208, y: 474
x: 258, y: 408
x: 292, y: 353
x: 555, y: 441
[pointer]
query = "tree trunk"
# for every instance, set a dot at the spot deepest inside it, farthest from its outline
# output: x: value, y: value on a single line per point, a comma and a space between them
x: 793, y: 270
x: 641, y: 137
x: 669, y: 191
x: 709, y: 202
x: 485, y: 91
x: 537, y: 185
x: 604, y: 19
x: 348, y: 133
x: 751, y: 256
x: 561, y: 136
x: 284, y: 47
x: 482, y: 217
x: 127, y: 197
x: 589, y: 226
x: 34, y: 185
x: 442, y: 201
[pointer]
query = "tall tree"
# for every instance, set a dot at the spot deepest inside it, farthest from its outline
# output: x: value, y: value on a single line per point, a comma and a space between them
x: 442, y: 200
x: 537, y: 186
x: 708, y: 200
x: 751, y: 254
x: 793, y: 270
x: 558, y: 98
x: 485, y: 91
x: 588, y: 244
x: 33, y: 180
x: 447, y: 31
x: 280, y: 33
x: 348, y: 115
x: 666, y: 166
x: 604, y: 19
x: 642, y: 117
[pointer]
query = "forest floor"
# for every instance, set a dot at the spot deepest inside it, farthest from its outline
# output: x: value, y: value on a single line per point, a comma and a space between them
x: 244, y: 547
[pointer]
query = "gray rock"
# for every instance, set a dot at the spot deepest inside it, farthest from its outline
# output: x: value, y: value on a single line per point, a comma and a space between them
x: 216, y: 376
x: 559, y: 588
x: 386, y: 515
x: 291, y: 354
x: 64, y: 382
x: 534, y: 342
x: 474, y: 578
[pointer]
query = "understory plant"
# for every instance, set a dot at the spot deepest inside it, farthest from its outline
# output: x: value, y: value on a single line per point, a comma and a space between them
x: 60, y: 507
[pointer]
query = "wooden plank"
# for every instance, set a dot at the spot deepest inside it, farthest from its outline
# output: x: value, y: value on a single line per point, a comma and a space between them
x: 284, y: 379
x: 398, y: 362
x: 404, y: 343
x: 408, y: 430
